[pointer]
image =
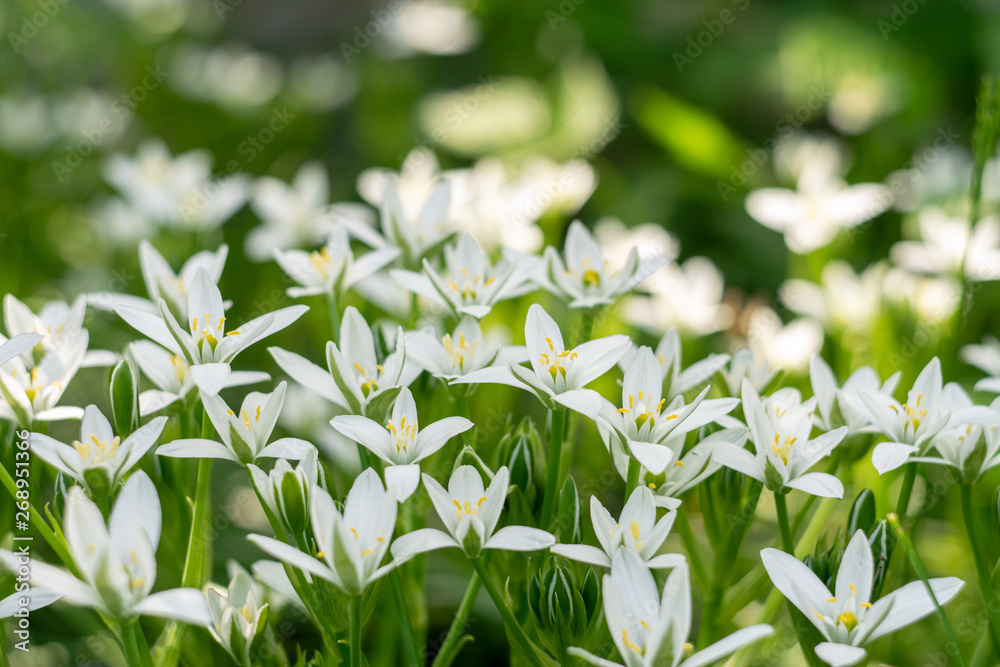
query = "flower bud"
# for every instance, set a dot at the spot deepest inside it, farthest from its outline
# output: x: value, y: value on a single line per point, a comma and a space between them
x: 862, y: 515
x: 568, y: 519
x: 124, y: 388
x: 564, y: 610
x: 882, y: 540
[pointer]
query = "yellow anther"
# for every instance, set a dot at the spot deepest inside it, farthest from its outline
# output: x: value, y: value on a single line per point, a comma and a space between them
x: 865, y: 605
x: 832, y: 600
x: 848, y: 620
x: 679, y: 464
x: 635, y: 647
x: 367, y: 552
x: 854, y: 591
x: 321, y: 554
x: 234, y: 332
x: 355, y: 533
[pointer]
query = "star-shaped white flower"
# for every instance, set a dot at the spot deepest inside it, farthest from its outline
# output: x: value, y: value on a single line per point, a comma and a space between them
x: 677, y: 379
x: 470, y: 515
x: 204, y: 342
x: 461, y: 352
x: 849, y: 618
x: 332, y: 269
x: 351, y: 545
x: 401, y: 442
x: 780, y: 426
x: 555, y: 369
x: 245, y: 435
x: 468, y: 284
x: 636, y: 529
x: 293, y: 214
x: 949, y: 247
x: 842, y: 406
x: 60, y: 325
x: 238, y: 617
x: 582, y: 276
x: 650, y: 629
x: 985, y: 357
x: 118, y: 561
x: 30, y: 393
x: 99, y: 459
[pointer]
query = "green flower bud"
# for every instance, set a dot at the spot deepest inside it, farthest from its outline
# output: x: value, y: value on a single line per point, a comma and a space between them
x: 882, y: 540
x: 124, y: 387
x: 568, y: 520
x: 862, y: 515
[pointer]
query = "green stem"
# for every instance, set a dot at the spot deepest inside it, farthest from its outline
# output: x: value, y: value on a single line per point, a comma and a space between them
x: 587, y: 325
x: 334, y: 311
x: 918, y: 567
x: 633, y: 477
x: 551, y: 491
x: 512, y: 625
x: 403, y: 614
x: 134, y: 643
x: 787, y: 544
x: 693, y: 550
x: 453, y: 640
x: 903, y: 502
x: 38, y: 523
x: 983, y: 572
x: 354, y: 612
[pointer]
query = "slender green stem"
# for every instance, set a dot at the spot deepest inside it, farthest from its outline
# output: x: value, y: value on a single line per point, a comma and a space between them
x: 983, y: 572
x: 903, y: 502
x: 134, y: 642
x: 551, y: 491
x: 512, y: 625
x: 38, y: 523
x: 403, y: 614
x: 918, y: 567
x: 354, y: 613
x: 587, y: 325
x: 334, y: 311
x: 693, y: 550
x: 452, y: 641
x: 787, y: 544
x: 633, y: 476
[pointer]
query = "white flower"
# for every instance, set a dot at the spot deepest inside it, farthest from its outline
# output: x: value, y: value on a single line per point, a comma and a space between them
x: 401, y: 443
x: 438, y: 27
x: 644, y: 422
x: 650, y: 239
x: 332, y: 269
x: 823, y: 204
x: 651, y: 631
x: 909, y: 426
x: 779, y: 427
x: 842, y: 406
x: 245, y: 436
x: 585, y: 279
x: 555, y: 369
x: 287, y: 491
x: 238, y: 617
x: 176, y: 192
x: 30, y: 396
x: 60, y: 325
x: 470, y: 515
x: 753, y: 367
x: 844, y: 301
x: 355, y: 378
x: 949, y: 247
x: 417, y: 235
x: 788, y: 346
x: 293, y: 215
x: 678, y: 380
x: 99, y: 459
x: 636, y: 529
x: 172, y: 376
x: 117, y: 561
x: 204, y: 342
x: 848, y: 618
x: 162, y: 283
x: 687, y: 296
x: 463, y: 351
x: 351, y: 545
x: 985, y: 357
x: 469, y: 284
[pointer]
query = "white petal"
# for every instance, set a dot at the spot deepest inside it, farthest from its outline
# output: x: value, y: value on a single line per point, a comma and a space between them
x: 402, y: 480
x: 856, y: 569
x: 840, y: 655
x: 890, y: 455
x: 787, y: 573
x: 729, y: 645
x: 520, y: 538
x: 36, y: 598
x: 590, y: 658
x: 287, y: 448
x: 420, y: 541
x: 583, y: 553
x: 654, y: 457
x: 210, y: 378
x: 665, y: 561
x: 309, y: 375
x: 137, y: 506
x: 818, y: 484
x: 292, y: 556
x: 187, y: 605
x: 431, y: 438
x: 196, y: 448
x: 911, y: 603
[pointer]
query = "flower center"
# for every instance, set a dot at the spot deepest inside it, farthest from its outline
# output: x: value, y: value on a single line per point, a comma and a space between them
x: 208, y: 332
x: 321, y: 261
x: 553, y: 360
x: 94, y: 451
x: 783, y: 448
x: 404, y: 435
x: 460, y: 350
x: 467, y: 508
x: 912, y: 414
x: 468, y: 286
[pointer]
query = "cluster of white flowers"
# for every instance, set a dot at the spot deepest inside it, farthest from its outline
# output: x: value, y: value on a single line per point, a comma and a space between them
x: 444, y: 287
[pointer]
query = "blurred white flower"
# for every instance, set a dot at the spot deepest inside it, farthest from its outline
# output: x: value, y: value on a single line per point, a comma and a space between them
x: 437, y: 27
x: 687, y: 296
x: 30, y: 391
x: 118, y: 224
x: 842, y: 406
x: 616, y: 240
x: 845, y: 301
x: 83, y: 114
x: 159, y: 18
x: 985, y: 357
x: 788, y: 346
x: 25, y: 122
x: 176, y: 192
x: 232, y: 75
x: 292, y: 215
x: 320, y: 84
x: 823, y: 203
x: 930, y: 299
x: 940, y: 172
x: 948, y: 247
x: 861, y: 99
